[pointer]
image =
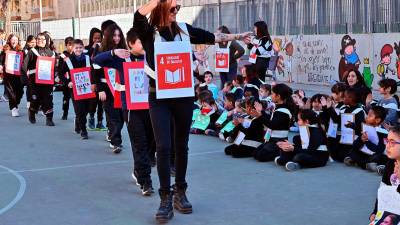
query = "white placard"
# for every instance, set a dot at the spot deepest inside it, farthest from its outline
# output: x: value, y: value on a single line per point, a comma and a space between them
x: 304, y: 136
x: 347, y: 136
x: 44, y: 70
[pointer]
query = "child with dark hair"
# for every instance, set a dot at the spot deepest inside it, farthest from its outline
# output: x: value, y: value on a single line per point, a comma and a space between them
x: 388, y: 88
x: 251, y: 81
x: 367, y: 151
x: 237, y: 89
x: 309, y: 148
x: 208, y: 78
x: 204, y: 123
x: 277, y: 124
x: 248, y: 132
x: 69, y: 43
x: 357, y: 110
x: 265, y: 97
x: 391, y: 175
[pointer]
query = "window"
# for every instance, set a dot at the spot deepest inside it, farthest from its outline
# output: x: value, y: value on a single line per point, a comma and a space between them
x: 280, y: 17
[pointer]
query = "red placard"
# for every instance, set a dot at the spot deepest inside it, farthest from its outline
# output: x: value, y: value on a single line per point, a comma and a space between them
x: 80, y: 78
x: 117, y: 94
x: 14, y: 62
x: 45, y: 70
x: 174, y: 71
x: 136, y: 86
x: 222, y: 60
x: 111, y: 75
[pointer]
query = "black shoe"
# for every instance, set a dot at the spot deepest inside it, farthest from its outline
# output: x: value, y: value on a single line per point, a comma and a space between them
x: 32, y: 117
x: 64, y: 116
x: 147, y: 189
x: 173, y: 171
x: 77, y: 129
x: 91, y: 124
x: 100, y: 126
x: 84, y: 136
x: 116, y: 148
x: 165, y: 211
x: 49, y: 122
x: 181, y: 203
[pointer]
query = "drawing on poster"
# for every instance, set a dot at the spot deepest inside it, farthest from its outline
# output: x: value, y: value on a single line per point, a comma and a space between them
x: 367, y: 73
x: 383, y: 70
x: 397, y: 49
x: 289, y: 50
x: 349, y: 57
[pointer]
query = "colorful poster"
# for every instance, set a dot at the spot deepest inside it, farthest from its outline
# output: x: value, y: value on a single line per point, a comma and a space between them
x: 14, y: 62
x: 80, y: 78
x: 222, y: 60
x: 136, y: 86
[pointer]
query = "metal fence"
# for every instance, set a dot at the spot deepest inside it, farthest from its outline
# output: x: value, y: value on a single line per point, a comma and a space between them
x: 23, y: 29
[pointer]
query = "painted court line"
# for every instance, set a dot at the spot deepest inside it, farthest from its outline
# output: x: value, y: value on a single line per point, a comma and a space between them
x: 21, y: 191
x: 94, y: 164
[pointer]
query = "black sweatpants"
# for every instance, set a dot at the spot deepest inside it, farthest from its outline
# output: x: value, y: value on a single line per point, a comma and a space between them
x: 268, y: 151
x: 96, y: 105
x: 239, y: 151
x: 340, y: 152
x: 362, y: 159
x: 142, y: 143
x: 41, y: 97
x: 162, y: 112
x: 261, y: 67
x: 66, y: 98
x: 81, y: 108
x: 115, y: 121
x: 15, y: 90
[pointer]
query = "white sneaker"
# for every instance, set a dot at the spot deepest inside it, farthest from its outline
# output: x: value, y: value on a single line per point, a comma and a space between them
x: 14, y: 112
x: 28, y: 105
x: 292, y: 166
x: 135, y: 179
x: 276, y: 160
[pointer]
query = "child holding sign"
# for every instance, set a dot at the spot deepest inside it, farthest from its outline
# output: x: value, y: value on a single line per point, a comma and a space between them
x: 38, y: 71
x: 79, y: 68
x: 11, y: 61
x: 368, y: 148
x: 309, y: 148
x: 391, y: 176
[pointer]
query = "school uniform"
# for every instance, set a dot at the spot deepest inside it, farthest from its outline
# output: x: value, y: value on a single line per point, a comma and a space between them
x: 235, y: 52
x: 342, y: 151
x: 12, y: 83
x: 391, y: 105
x: 138, y: 122
x: 65, y: 90
x: 81, y: 107
x: 254, y: 137
x: 368, y: 152
x: 214, y: 115
x: 332, y: 120
x: 253, y: 86
x: 263, y: 49
x: 28, y: 94
x: 278, y: 125
x: 238, y: 92
x: 41, y: 95
x: 315, y: 155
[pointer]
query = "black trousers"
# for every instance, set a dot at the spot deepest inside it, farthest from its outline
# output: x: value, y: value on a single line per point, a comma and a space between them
x: 115, y: 120
x: 96, y: 105
x: 239, y: 151
x: 340, y: 152
x: 362, y: 159
x: 142, y: 143
x: 41, y: 97
x: 261, y: 67
x: 14, y: 89
x: 81, y: 108
x: 306, y: 159
x: 162, y: 112
x: 66, y: 98
x: 268, y: 151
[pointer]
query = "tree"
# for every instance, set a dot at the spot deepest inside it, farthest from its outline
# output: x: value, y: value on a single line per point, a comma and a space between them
x: 6, y: 13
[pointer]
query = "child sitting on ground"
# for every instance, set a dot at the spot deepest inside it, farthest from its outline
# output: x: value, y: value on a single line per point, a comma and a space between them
x: 204, y: 123
x: 238, y: 87
x: 309, y: 148
x: 208, y: 78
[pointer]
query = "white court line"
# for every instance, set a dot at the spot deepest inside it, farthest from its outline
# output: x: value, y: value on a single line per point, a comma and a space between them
x: 94, y: 164
x: 21, y: 191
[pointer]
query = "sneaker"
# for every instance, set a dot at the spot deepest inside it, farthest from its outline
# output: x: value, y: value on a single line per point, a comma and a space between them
x: 211, y: 132
x: 276, y: 160
x: 221, y: 136
x: 116, y: 149
x: 371, y: 166
x: 3, y: 99
x: 147, y: 189
x: 15, y: 112
x: 292, y: 166
x: 84, y: 136
x: 348, y: 161
x: 165, y: 212
x: 173, y: 171
x: 91, y: 125
x: 381, y: 169
x: 49, y: 122
x: 135, y: 179
x: 100, y: 126
x: 28, y: 105
x: 181, y: 203
x: 108, y: 138
x: 229, y: 140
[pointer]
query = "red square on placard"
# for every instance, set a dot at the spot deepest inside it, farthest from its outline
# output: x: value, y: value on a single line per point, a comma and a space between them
x: 222, y: 60
x: 174, y: 71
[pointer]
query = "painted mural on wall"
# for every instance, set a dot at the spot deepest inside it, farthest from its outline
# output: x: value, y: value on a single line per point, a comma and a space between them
x: 349, y: 58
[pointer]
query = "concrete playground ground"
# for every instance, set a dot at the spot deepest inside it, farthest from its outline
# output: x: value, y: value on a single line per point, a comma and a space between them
x: 48, y: 176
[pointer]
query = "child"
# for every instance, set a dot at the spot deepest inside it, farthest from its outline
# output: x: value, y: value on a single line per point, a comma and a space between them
x: 351, y: 107
x: 41, y: 94
x: 265, y: 98
x: 391, y: 175
x: 208, y: 78
x: 387, y: 88
x: 315, y: 154
x: 205, y: 121
x: 65, y: 89
x: 316, y: 106
x: 30, y: 43
x: 248, y: 132
x: 238, y: 87
x: 226, y: 133
x: 77, y: 60
x: 252, y: 82
x: 139, y: 124
x: 12, y: 82
x: 277, y: 124
x: 226, y: 115
x: 365, y: 153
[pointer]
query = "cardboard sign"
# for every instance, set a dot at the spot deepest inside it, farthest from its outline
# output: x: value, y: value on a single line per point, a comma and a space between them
x: 14, y: 62
x: 117, y: 94
x: 222, y: 60
x: 196, y: 112
x: 253, y: 58
x: 201, y: 122
x: 111, y: 75
x: 388, y: 199
x: 239, y: 138
x: 136, y: 86
x: 228, y: 127
x: 222, y: 118
x: 173, y: 67
x: 45, y: 70
x: 347, y: 136
x: 332, y: 129
x: 80, y: 78
x: 304, y: 136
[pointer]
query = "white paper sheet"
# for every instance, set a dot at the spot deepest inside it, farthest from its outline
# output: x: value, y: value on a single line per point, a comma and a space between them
x: 347, y: 135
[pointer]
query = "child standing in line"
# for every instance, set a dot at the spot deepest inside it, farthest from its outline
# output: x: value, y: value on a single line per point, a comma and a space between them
x: 69, y: 42
x: 367, y: 153
x: 299, y: 154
